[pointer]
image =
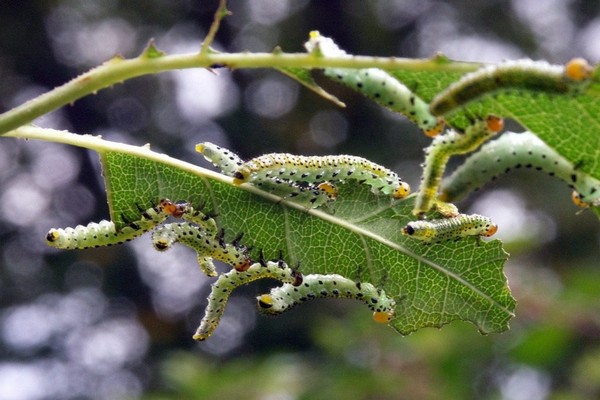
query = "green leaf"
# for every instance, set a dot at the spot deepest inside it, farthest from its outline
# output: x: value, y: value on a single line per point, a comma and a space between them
x: 567, y: 123
x: 433, y: 284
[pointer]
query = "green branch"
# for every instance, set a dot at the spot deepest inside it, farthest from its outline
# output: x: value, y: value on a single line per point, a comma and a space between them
x: 153, y: 61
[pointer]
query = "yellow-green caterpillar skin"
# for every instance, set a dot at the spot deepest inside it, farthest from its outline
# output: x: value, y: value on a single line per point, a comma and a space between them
x: 224, y: 159
x: 379, y: 86
x: 527, y: 75
x: 314, y: 169
x: 314, y: 286
x: 454, y: 228
x: 517, y: 151
x: 104, y: 233
x: 206, y: 245
x: 306, y: 194
x: 440, y: 151
x: 221, y: 290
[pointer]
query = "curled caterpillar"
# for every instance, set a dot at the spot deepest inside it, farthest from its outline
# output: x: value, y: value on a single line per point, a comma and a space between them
x: 313, y: 169
x: 283, y: 298
x: 379, y: 86
x: 226, y: 283
x: 454, y: 228
x: 440, y: 151
x: 527, y: 75
x: 104, y: 233
x: 206, y: 245
x: 514, y: 151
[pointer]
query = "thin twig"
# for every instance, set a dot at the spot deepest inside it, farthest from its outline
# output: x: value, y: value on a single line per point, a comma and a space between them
x: 221, y: 13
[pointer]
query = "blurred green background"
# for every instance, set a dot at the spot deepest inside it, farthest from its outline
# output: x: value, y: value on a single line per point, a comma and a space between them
x: 116, y: 323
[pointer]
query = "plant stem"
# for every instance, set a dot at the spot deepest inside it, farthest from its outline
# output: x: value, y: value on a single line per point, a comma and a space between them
x: 118, y: 70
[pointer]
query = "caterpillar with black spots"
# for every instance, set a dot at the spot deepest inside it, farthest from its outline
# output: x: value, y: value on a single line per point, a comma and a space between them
x: 518, y: 151
x: 221, y: 290
x: 378, y: 85
x: 206, y: 245
x: 104, y: 233
x: 440, y: 151
x: 315, y: 169
x: 439, y: 230
x: 224, y: 159
x: 283, y: 298
x: 306, y: 194
x: 528, y: 75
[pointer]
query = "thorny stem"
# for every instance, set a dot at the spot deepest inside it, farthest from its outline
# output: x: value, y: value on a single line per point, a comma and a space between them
x: 118, y: 70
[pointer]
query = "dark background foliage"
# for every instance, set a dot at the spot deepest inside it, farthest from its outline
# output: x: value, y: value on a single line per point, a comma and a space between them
x: 117, y: 322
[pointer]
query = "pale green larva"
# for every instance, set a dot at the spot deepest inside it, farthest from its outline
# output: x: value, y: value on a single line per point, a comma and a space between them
x: 104, y: 233
x: 517, y: 151
x: 454, y: 228
x: 314, y: 286
x: 206, y: 245
x: 224, y: 159
x: 440, y: 151
x: 315, y: 169
x: 526, y: 75
x: 226, y: 283
x: 306, y: 194
x: 379, y: 86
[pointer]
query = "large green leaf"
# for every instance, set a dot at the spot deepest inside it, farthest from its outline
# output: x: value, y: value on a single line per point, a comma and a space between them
x: 361, y: 239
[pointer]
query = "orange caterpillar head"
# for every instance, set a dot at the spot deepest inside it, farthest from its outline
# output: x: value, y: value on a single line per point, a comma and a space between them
x: 578, y: 69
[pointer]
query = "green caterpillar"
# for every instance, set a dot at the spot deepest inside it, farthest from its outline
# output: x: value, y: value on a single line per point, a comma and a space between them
x: 527, y: 75
x: 226, y: 160
x: 513, y: 151
x: 207, y: 245
x: 283, y: 298
x: 104, y: 233
x: 454, y: 228
x: 308, y: 195
x: 440, y: 151
x: 314, y: 169
x: 379, y: 86
x: 226, y: 283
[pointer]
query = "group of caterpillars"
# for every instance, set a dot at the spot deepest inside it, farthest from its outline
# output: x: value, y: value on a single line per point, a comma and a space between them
x: 310, y: 181
x: 510, y: 151
x: 199, y: 231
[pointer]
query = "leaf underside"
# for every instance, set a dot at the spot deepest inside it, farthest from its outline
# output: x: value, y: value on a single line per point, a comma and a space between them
x: 360, y: 239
